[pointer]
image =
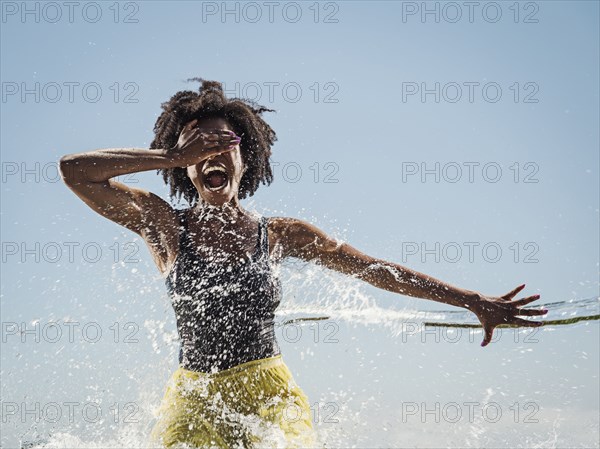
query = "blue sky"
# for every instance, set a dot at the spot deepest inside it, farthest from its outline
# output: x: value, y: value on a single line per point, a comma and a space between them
x: 369, y: 135
x: 349, y: 123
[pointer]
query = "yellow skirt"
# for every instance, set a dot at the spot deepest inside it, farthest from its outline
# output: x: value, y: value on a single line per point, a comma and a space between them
x: 255, y: 404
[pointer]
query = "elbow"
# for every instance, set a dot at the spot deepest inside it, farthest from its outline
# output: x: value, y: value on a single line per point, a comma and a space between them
x: 67, y: 167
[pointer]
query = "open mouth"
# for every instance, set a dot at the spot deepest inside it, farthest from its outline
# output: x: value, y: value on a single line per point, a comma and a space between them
x: 214, y: 177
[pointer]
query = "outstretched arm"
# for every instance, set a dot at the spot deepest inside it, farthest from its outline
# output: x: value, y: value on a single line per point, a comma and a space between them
x: 305, y: 241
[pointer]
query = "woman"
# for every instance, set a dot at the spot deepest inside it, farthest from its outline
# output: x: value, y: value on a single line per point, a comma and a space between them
x: 232, y: 387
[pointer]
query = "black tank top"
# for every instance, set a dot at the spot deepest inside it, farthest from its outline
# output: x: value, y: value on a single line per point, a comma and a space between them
x: 225, y: 311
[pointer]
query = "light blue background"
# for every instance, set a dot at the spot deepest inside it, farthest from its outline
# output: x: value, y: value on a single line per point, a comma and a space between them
x: 369, y: 133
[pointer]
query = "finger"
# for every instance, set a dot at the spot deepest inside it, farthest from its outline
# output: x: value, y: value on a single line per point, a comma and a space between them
x: 526, y: 323
x: 190, y: 125
x: 212, y: 137
x: 211, y: 145
x: 224, y: 146
x: 510, y: 295
x: 229, y: 142
x: 525, y: 301
x: 232, y: 140
x: 193, y: 137
x: 223, y: 140
x: 216, y: 137
x: 224, y: 133
x: 488, y: 333
x: 190, y: 133
x: 193, y: 141
x: 219, y: 133
x: 531, y: 312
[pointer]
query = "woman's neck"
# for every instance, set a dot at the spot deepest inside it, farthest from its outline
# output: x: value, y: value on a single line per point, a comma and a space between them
x: 227, y: 213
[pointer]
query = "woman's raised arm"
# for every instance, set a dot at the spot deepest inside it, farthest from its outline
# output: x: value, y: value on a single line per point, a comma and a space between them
x: 89, y: 175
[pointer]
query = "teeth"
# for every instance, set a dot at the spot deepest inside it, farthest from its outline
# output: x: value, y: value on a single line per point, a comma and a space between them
x: 213, y: 168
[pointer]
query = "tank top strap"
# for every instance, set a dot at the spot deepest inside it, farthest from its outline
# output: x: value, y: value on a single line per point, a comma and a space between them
x: 263, y: 236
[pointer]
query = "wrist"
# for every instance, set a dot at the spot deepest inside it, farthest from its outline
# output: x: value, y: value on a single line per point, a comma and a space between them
x: 169, y: 155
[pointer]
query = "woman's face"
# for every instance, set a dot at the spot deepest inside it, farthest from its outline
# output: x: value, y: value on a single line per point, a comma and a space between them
x: 217, y: 178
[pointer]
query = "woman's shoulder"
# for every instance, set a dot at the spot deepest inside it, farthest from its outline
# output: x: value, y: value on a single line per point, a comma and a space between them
x: 285, y: 225
x: 297, y: 237
x: 283, y: 230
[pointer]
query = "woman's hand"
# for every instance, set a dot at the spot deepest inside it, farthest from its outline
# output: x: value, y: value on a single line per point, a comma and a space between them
x: 495, y: 310
x: 195, y: 144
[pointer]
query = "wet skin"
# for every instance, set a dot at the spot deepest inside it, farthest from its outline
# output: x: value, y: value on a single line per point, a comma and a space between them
x: 218, y: 224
